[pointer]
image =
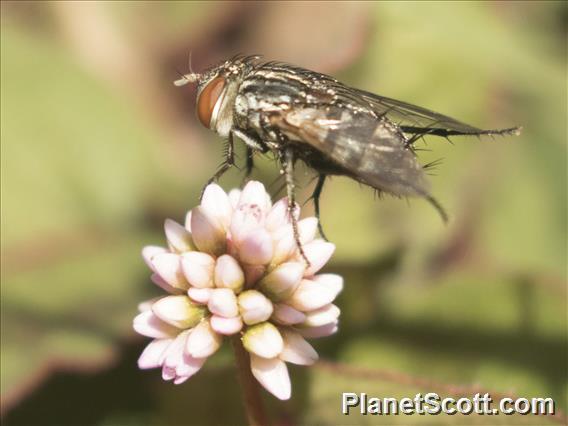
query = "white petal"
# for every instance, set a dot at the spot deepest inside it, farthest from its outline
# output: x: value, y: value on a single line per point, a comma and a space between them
x: 160, y: 282
x: 278, y: 215
x: 173, y: 356
x: 273, y: 375
x: 203, y: 341
x: 234, y: 197
x: 226, y: 326
x: 168, y: 266
x: 223, y: 302
x: 332, y: 282
x: 146, y: 305
x: 198, y: 269
x: 254, y: 194
x: 152, y: 355
x: 318, y: 253
x: 168, y: 373
x: 178, y: 237
x: 216, y: 202
x: 199, y: 295
x: 311, y: 295
x: 284, y: 244
x: 307, y: 228
x: 297, y: 350
x: 281, y: 283
x: 263, y: 340
x: 149, y: 325
x: 228, y: 273
x: 256, y: 248
x: 178, y: 311
x: 287, y: 315
x: 315, y: 332
x: 322, y: 316
x: 187, y: 222
x: 149, y: 252
x: 208, y: 232
x: 254, y: 307
x: 188, y: 367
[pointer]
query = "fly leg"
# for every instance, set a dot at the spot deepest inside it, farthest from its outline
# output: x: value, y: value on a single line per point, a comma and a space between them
x: 226, y: 165
x: 249, y: 163
x: 316, y: 197
x: 287, y: 160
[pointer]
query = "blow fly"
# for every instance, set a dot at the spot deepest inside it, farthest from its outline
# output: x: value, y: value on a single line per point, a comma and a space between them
x: 298, y: 114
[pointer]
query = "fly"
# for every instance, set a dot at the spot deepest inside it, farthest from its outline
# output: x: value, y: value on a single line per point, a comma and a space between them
x: 298, y: 114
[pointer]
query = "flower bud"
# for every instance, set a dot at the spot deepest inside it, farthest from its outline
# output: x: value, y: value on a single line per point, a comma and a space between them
x: 179, y: 238
x: 208, y: 232
x: 311, y: 295
x: 297, y: 350
x: 254, y: 307
x: 149, y: 325
x: 178, y: 311
x: 256, y: 248
x: 216, y: 203
x: 168, y: 266
x: 318, y: 253
x: 226, y: 326
x: 287, y: 315
x: 322, y: 316
x: 273, y: 375
x: 223, y: 302
x: 321, y: 331
x: 263, y: 340
x: 228, y: 274
x: 148, y: 252
x: 199, y: 295
x: 281, y: 283
x: 203, y: 341
x: 198, y: 269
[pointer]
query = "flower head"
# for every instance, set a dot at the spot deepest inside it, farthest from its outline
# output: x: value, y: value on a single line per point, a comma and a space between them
x: 235, y: 269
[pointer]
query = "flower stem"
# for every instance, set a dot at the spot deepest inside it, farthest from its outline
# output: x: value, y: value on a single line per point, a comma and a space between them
x: 251, y: 391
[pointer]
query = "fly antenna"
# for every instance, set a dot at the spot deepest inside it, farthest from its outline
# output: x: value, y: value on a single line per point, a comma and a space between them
x: 187, y: 78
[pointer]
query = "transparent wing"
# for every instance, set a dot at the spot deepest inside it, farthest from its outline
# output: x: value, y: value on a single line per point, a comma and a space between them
x: 418, y: 120
x: 370, y: 150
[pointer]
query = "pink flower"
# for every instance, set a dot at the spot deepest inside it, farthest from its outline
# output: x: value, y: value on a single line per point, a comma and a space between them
x: 234, y: 268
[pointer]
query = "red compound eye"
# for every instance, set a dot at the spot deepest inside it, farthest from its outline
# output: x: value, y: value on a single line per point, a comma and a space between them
x: 208, y: 98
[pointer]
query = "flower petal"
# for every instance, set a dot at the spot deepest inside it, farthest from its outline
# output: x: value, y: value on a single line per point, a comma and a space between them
x: 149, y: 325
x: 281, y: 283
x: 188, y: 367
x: 318, y: 253
x: 223, y: 302
x: 254, y: 194
x: 226, y: 326
x: 325, y: 315
x: 297, y: 350
x: 284, y: 244
x: 278, y: 216
x: 199, y: 295
x: 272, y: 374
x: 315, y: 332
x: 173, y: 356
x: 234, y: 197
x: 333, y: 282
x: 229, y: 274
x: 287, y: 315
x: 217, y: 204
x: 178, y: 311
x: 311, y: 295
x: 160, y: 282
x: 198, y: 269
x: 254, y: 307
x: 168, y: 266
x: 152, y: 354
x: 149, y: 252
x: 256, y: 248
x: 208, y: 232
x: 307, y: 228
x: 203, y: 341
x: 179, y: 238
x: 146, y: 305
x: 263, y: 340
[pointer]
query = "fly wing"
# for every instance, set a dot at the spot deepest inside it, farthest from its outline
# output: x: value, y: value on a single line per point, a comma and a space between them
x: 414, y: 119
x: 372, y: 151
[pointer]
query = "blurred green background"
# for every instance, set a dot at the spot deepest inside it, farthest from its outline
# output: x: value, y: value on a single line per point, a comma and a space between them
x: 98, y: 148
